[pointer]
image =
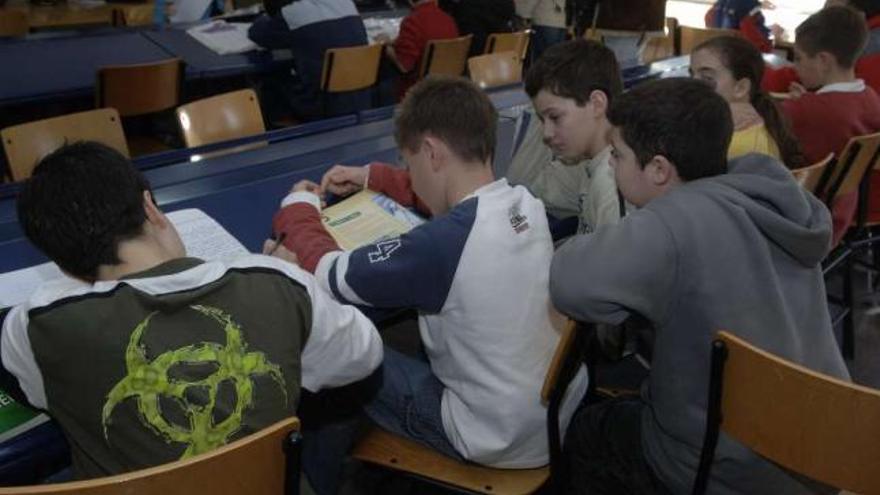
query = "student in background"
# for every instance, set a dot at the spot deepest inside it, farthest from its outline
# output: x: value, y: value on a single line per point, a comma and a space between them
x: 308, y: 28
x: 481, y: 18
x: 711, y: 246
x: 744, y: 16
x: 867, y: 66
x: 843, y: 106
x: 734, y: 67
x: 477, y: 273
x: 426, y: 22
x: 547, y: 19
x: 139, y: 322
x: 571, y: 86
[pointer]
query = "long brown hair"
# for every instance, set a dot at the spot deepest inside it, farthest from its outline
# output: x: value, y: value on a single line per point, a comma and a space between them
x: 745, y: 61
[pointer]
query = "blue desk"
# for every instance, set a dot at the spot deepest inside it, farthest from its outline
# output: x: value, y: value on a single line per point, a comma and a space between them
x: 202, y: 62
x: 57, y: 68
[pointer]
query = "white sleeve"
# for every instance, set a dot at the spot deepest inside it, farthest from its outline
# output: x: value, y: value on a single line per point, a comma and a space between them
x: 343, y: 344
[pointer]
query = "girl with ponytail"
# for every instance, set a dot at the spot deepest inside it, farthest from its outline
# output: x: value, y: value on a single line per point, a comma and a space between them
x: 734, y: 67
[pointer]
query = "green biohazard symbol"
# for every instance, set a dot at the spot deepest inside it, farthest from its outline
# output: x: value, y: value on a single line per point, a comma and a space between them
x: 148, y: 381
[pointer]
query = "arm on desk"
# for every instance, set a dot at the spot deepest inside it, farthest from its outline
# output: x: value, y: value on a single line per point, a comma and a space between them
x: 396, y: 184
x: 270, y: 32
x: 9, y: 383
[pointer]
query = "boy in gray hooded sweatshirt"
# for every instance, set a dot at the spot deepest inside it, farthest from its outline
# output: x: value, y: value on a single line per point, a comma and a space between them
x: 709, y: 248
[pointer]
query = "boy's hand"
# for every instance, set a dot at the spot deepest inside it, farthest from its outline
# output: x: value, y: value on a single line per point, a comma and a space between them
x: 796, y: 90
x: 307, y: 186
x: 276, y: 249
x: 343, y: 180
x: 382, y: 38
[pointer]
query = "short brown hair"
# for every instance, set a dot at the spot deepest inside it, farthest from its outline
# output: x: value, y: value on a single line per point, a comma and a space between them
x: 840, y: 31
x: 452, y: 109
x: 574, y: 69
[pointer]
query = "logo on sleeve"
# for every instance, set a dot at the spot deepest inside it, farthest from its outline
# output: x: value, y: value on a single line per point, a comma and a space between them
x: 382, y: 250
x: 518, y: 221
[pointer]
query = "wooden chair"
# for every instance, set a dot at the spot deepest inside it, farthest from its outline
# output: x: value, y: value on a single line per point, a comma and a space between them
x: 14, y: 23
x: 509, y: 42
x: 349, y: 69
x: 411, y: 458
x: 140, y: 88
x: 662, y: 47
x: 495, y: 69
x: 813, y: 424
x: 221, y: 118
x: 265, y: 463
x: 26, y: 144
x: 808, y: 177
x: 447, y: 56
x: 689, y: 37
x: 136, y: 14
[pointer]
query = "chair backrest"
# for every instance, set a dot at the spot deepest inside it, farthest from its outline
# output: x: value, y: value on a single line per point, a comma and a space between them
x: 563, y: 349
x: 140, y: 88
x: 351, y: 69
x: 133, y: 14
x: 858, y: 157
x: 255, y: 465
x: 447, y: 56
x: 14, y: 22
x: 813, y: 424
x: 660, y: 47
x: 689, y: 37
x: 808, y: 177
x: 221, y: 118
x: 26, y: 144
x: 495, y: 69
x: 509, y: 42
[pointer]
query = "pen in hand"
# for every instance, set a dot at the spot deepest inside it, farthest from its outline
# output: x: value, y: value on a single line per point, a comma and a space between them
x: 278, y: 240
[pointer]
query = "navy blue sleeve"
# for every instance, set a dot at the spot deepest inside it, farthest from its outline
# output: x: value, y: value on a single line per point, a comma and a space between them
x: 270, y: 32
x: 414, y: 270
x: 8, y: 381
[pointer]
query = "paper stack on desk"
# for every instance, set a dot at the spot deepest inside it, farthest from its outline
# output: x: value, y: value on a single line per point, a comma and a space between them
x: 224, y: 38
x: 367, y: 217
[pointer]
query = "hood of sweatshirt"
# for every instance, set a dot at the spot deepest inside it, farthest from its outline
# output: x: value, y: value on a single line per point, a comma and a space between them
x: 786, y: 214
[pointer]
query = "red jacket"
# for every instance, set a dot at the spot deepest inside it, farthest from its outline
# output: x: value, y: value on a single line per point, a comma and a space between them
x: 867, y: 68
x: 426, y: 22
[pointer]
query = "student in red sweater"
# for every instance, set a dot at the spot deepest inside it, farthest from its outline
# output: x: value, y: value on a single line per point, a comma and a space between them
x: 426, y: 22
x: 826, y: 47
x: 867, y: 66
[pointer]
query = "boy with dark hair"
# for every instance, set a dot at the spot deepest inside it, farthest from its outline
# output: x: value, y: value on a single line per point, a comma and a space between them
x: 477, y: 273
x: 147, y: 356
x: 571, y: 86
x: 711, y: 247
x: 826, y: 48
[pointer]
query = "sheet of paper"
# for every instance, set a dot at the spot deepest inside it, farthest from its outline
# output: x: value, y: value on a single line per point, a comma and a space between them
x: 367, y: 217
x: 202, y: 236
x: 223, y: 37
x: 387, y: 26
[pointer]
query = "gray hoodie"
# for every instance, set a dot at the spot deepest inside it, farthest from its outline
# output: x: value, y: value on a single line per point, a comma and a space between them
x: 740, y: 252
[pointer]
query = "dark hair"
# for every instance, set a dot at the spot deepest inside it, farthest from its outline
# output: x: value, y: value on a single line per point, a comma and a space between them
x: 454, y: 110
x: 744, y: 61
x: 682, y: 119
x: 574, y: 69
x: 80, y: 202
x: 869, y: 7
x: 840, y: 31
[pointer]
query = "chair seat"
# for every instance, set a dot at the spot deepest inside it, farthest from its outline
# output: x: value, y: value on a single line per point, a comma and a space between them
x: 401, y: 454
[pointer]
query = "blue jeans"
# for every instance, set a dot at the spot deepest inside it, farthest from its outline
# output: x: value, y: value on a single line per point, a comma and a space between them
x: 402, y: 396
x: 408, y: 402
x: 544, y: 37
